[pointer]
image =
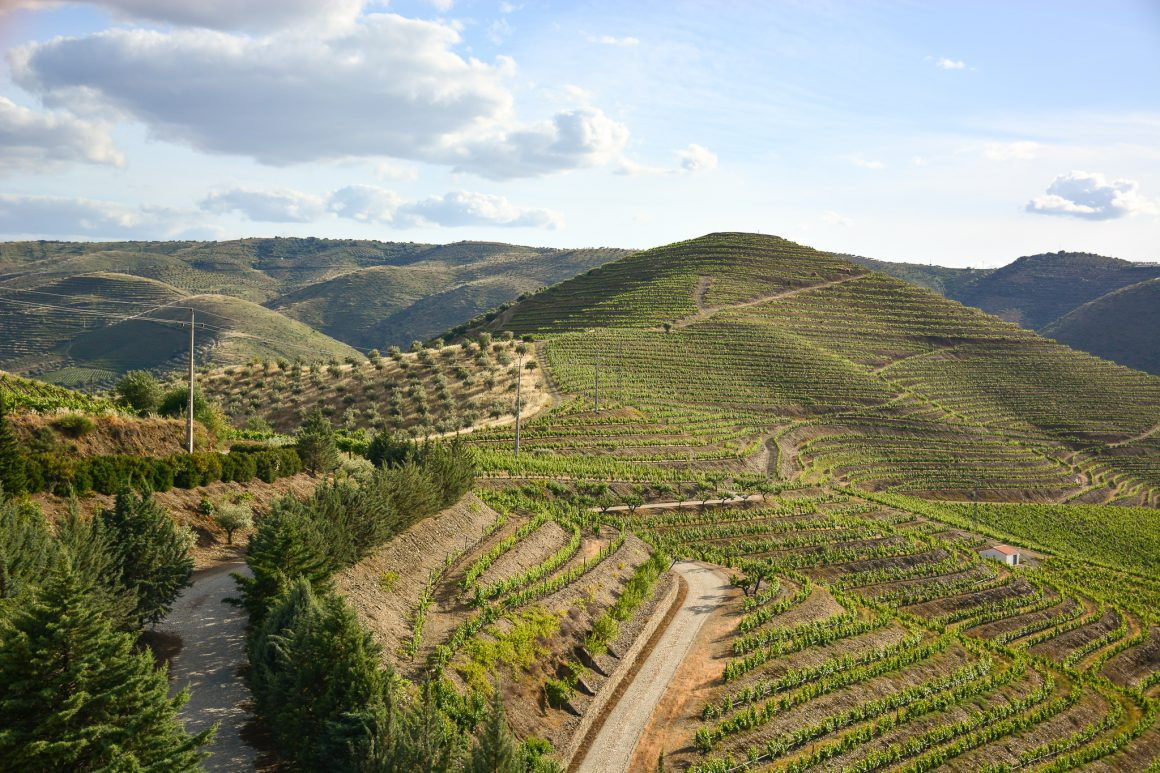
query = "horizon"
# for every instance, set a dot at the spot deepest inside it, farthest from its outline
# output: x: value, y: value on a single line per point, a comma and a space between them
x: 952, y: 134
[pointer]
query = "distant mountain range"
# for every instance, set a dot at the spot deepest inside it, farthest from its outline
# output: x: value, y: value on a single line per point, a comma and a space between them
x: 81, y: 314
x: 1104, y: 306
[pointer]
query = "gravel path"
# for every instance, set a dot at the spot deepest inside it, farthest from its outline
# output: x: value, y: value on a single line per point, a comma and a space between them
x: 613, y: 746
x: 213, y: 638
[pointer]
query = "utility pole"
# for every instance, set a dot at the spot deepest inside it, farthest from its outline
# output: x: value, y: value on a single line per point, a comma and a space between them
x: 519, y: 383
x: 189, y: 408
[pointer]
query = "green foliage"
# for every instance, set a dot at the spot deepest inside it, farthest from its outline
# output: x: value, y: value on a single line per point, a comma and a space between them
x: 151, y: 553
x: 175, y: 404
x: 231, y: 517
x: 139, y: 390
x: 77, y: 696
x: 27, y: 551
x: 12, y: 465
x: 316, y: 444
x: 495, y: 750
x: 74, y: 425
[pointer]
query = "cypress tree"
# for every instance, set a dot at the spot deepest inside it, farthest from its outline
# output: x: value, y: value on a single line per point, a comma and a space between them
x: 152, y: 553
x: 495, y: 751
x: 77, y: 697
x: 316, y: 444
x: 12, y: 478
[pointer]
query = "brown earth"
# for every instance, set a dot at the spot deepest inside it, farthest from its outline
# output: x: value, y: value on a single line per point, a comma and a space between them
x: 112, y: 434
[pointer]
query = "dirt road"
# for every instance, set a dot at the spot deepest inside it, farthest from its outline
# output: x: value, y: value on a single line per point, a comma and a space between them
x: 213, y: 649
x: 613, y: 747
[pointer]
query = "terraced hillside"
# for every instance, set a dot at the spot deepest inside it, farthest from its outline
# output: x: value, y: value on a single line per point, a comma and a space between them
x: 871, y: 635
x: 739, y: 351
x: 53, y: 295
x: 431, y: 391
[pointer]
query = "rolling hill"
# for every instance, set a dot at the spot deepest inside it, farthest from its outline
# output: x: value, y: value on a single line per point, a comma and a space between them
x: 1132, y: 312
x: 65, y: 308
x: 737, y: 350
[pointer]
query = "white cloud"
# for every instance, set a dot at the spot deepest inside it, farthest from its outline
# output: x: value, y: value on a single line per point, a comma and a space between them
x: 221, y: 14
x: 270, y: 206
x: 442, y: 6
x: 499, y: 31
x: 365, y: 203
x: 1007, y: 151
x: 395, y: 170
x: 383, y: 87
x: 867, y: 163
x: 950, y: 64
x: 833, y: 218
x: 59, y: 216
x: 696, y: 158
x: 1091, y: 196
x: 462, y: 208
x: 42, y: 142
x: 611, y: 40
x: 570, y: 140
x: 372, y: 204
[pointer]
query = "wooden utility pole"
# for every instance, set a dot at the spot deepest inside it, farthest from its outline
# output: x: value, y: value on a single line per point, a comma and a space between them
x: 519, y: 383
x: 189, y: 407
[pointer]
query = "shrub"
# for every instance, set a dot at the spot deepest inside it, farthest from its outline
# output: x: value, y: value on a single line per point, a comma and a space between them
x: 74, y: 425
x: 232, y: 517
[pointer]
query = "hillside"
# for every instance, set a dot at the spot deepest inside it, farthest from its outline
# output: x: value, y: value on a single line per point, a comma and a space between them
x: 781, y: 357
x: 1038, y: 289
x: 1132, y: 312
x: 54, y: 295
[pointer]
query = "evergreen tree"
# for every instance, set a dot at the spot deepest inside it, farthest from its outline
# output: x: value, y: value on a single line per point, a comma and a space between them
x: 94, y: 557
x: 27, y: 550
x: 12, y: 479
x: 286, y: 546
x: 316, y: 444
x: 432, y: 743
x: 495, y: 750
x: 152, y: 553
x: 78, y: 697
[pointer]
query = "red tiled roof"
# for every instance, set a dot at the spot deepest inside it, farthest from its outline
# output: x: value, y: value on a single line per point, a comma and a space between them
x: 1006, y: 550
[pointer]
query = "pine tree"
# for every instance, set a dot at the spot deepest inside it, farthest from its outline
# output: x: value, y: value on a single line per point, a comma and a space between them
x: 94, y: 557
x: 27, y: 549
x: 285, y: 547
x: 495, y: 751
x: 77, y: 697
x: 12, y: 479
x: 152, y: 552
x: 432, y: 743
x: 316, y: 444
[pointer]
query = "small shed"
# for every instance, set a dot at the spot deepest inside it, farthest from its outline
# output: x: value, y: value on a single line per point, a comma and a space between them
x: 1004, y: 553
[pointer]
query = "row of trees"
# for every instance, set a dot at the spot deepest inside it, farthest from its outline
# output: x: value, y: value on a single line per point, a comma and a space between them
x: 79, y: 693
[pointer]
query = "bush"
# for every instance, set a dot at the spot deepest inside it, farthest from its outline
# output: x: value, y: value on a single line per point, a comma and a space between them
x: 139, y: 390
x: 232, y: 517
x: 74, y: 425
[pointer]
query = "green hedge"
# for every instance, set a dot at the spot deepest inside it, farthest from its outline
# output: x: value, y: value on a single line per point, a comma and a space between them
x: 108, y: 474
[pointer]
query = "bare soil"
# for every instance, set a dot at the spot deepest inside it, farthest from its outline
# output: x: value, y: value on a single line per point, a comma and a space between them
x: 111, y: 434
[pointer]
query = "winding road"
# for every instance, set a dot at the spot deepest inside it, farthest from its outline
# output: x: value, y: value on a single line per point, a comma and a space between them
x: 213, y: 636
x: 613, y: 747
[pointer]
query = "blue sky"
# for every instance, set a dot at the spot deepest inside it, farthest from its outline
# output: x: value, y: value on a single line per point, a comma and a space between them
x: 955, y: 133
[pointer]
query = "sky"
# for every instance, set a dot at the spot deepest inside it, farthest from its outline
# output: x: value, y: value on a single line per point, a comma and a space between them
x: 956, y: 133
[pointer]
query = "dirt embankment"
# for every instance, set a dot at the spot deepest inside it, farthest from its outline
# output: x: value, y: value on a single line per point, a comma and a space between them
x: 109, y: 435
x: 385, y: 587
x: 185, y: 505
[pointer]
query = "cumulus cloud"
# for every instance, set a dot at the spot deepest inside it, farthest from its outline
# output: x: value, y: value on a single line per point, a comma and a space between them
x: 385, y: 86
x: 1007, y: 151
x: 572, y: 139
x: 222, y: 14
x: 950, y: 64
x: 833, y: 218
x: 372, y: 204
x: 1092, y: 196
x: 460, y: 208
x: 61, y: 216
x: 39, y: 142
x: 696, y: 158
x: 270, y: 206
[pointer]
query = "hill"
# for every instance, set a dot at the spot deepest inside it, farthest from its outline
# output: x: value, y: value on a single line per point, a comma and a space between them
x: 737, y: 350
x: 1132, y: 312
x: 365, y: 294
x: 1036, y: 290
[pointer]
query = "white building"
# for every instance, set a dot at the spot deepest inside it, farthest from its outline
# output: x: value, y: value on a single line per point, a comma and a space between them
x: 1004, y: 553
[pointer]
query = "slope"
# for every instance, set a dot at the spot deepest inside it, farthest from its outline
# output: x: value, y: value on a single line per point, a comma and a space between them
x: 846, y: 372
x: 1037, y: 289
x: 1132, y: 312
